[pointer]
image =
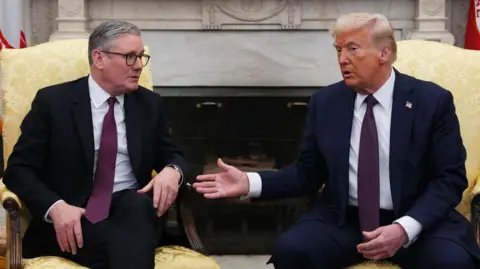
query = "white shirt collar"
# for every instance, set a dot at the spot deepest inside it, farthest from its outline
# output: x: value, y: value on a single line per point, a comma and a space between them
x: 98, y: 95
x: 384, y: 95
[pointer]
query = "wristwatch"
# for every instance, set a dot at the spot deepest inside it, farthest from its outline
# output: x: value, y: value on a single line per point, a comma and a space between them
x: 179, y: 170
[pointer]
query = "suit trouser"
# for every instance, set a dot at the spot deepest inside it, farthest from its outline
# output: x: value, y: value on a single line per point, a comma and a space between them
x: 313, y: 244
x: 127, y: 239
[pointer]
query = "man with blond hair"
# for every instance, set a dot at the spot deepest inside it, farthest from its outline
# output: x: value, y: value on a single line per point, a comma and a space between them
x: 387, y: 149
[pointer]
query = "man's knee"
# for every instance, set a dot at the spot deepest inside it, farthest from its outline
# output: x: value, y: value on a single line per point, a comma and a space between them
x: 136, y: 205
x: 292, y: 250
x: 446, y: 255
x: 287, y: 247
x: 287, y: 250
x: 461, y: 259
x: 139, y: 200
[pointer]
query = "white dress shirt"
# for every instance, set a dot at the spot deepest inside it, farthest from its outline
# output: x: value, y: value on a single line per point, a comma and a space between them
x: 124, y: 177
x: 382, y: 112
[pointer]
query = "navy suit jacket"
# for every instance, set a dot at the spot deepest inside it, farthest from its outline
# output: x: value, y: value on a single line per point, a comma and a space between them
x: 427, y: 158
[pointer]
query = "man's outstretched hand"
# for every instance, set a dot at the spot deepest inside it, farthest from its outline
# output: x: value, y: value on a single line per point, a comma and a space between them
x: 228, y: 184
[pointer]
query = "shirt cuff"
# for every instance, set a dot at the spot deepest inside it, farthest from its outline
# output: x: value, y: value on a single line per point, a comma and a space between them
x: 179, y: 170
x: 255, y: 183
x: 46, y: 218
x: 412, y: 227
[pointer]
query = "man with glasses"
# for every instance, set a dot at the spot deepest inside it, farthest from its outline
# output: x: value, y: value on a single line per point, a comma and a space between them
x: 84, y: 160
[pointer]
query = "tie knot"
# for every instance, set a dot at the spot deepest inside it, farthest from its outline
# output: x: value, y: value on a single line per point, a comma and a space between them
x: 371, y: 101
x: 111, y: 100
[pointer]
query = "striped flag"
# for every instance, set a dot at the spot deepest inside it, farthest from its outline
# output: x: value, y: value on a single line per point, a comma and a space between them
x: 13, y: 24
x: 472, y: 32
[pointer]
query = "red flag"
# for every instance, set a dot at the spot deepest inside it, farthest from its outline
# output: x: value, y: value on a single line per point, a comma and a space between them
x: 472, y: 32
x: 12, y: 24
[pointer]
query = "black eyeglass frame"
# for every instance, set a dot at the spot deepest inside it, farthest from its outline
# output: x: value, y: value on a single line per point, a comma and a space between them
x: 126, y: 55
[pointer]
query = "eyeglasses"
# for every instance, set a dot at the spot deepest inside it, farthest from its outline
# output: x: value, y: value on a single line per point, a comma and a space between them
x: 131, y: 58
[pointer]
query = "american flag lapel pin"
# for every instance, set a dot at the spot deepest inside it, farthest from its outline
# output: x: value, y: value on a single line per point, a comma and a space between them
x: 408, y: 104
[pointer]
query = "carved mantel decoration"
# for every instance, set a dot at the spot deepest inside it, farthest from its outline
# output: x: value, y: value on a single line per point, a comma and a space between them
x: 72, y: 20
x: 243, y: 14
x: 77, y: 17
x: 246, y: 43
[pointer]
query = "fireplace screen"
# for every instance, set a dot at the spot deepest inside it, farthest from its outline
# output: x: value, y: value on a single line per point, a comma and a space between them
x: 251, y: 133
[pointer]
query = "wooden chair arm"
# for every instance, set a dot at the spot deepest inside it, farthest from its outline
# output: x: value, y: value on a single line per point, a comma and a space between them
x: 13, y: 206
x: 475, y: 210
x: 187, y: 221
x: 6, y: 196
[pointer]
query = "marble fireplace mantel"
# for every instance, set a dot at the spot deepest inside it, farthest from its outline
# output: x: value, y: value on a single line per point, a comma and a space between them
x: 275, y: 42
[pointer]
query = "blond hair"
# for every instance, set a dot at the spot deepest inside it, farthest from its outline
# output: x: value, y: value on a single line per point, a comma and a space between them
x: 380, y: 28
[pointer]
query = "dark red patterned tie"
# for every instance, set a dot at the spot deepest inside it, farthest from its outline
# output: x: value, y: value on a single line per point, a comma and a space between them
x: 368, y: 171
x: 98, y: 205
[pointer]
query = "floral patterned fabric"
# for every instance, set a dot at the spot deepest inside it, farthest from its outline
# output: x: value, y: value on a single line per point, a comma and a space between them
x: 457, y: 70
x: 171, y: 257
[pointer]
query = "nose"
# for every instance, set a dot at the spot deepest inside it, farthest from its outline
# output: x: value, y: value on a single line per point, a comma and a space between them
x: 343, y: 57
x: 138, y: 64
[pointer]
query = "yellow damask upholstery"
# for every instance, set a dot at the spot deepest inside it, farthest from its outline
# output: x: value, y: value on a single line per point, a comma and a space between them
x: 175, y: 257
x: 374, y: 265
x: 23, y: 73
x: 457, y: 70
x: 171, y: 257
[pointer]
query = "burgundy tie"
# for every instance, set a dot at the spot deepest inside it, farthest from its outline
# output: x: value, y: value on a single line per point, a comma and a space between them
x: 368, y: 172
x: 98, y: 205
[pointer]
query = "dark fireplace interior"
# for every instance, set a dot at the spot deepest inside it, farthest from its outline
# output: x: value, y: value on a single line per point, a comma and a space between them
x: 252, y: 133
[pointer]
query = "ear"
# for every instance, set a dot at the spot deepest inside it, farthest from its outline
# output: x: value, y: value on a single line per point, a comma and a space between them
x: 385, y: 54
x: 98, y: 59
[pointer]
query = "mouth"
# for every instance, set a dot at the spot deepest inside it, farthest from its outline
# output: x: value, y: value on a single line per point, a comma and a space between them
x: 135, y: 77
x: 347, y: 74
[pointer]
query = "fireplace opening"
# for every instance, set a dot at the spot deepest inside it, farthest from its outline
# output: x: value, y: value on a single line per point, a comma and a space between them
x: 251, y: 133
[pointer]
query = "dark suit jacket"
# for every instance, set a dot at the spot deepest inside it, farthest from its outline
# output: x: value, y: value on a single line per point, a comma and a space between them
x: 427, y: 158
x: 53, y: 158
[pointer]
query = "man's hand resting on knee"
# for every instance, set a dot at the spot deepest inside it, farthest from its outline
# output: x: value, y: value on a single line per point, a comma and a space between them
x: 165, y: 189
x: 66, y: 220
x: 383, y: 242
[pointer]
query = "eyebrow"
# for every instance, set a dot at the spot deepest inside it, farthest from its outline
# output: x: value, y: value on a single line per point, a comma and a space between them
x: 134, y: 52
x: 348, y: 44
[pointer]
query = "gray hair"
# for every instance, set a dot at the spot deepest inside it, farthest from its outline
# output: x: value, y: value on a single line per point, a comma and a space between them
x: 103, y: 35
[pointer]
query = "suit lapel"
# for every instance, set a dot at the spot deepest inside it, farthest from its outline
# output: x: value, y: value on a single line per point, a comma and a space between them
x: 82, y: 114
x: 133, y: 124
x: 403, y: 110
x: 343, y: 111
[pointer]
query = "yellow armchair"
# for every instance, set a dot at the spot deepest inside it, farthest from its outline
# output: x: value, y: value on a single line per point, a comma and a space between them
x: 23, y: 73
x: 457, y: 70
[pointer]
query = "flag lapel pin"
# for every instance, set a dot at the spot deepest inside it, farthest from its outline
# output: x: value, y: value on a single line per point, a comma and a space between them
x: 408, y: 104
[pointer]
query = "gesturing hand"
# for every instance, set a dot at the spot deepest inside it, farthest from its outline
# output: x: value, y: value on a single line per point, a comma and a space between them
x: 228, y: 184
x: 165, y: 189
x: 66, y: 220
x: 384, y: 242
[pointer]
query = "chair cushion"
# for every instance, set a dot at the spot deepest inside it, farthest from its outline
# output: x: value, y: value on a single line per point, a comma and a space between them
x: 374, y: 265
x: 176, y: 257
x: 170, y: 257
x: 50, y: 262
